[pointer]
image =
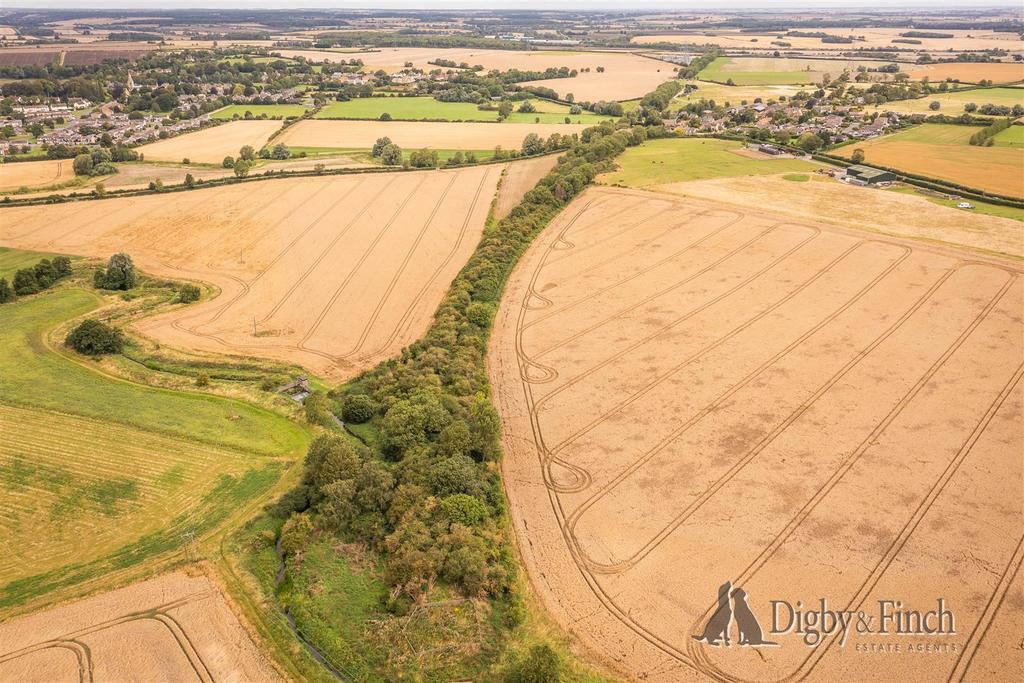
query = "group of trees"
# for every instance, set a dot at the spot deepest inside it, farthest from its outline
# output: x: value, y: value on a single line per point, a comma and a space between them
x: 426, y: 495
x: 94, y: 338
x: 119, y: 274
x: 985, y: 136
x: 247, y: 158
x: 97, y: 162
x: 388, y: 152
x: 33, y: 280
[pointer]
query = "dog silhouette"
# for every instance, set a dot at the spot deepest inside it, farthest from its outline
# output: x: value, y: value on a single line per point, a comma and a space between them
x: 718, y: 625
x: 749, y: 630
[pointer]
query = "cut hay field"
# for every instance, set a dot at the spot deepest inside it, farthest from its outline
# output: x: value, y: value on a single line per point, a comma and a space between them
x: 873, y: 37
x: 335, y: 273
x: 211, y: 145
x: 416, y: 134
x: 30, y: 174
x: 692, y: 394
x: 1011, y: 137
x: 952, y: 103
x: 735, y: 94
x: 968, y: 72
x: 790, y: 70
x: 779, y: 70
x: 173, y: 627
x: 626, y: 75
x: 272, y: 111
x: 98, y: 473
x: 424, y: 108
x: 670, y: 160
x: 942, y: 151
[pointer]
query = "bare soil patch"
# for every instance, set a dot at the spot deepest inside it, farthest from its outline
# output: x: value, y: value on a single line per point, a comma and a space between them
x: 211, y: 145
x: 693, y: 393
x: 335, y: 273
x: 418, y: 134
x: 173, y: 627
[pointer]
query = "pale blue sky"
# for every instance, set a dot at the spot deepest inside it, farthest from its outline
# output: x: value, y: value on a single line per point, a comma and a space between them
x: 632, y: 5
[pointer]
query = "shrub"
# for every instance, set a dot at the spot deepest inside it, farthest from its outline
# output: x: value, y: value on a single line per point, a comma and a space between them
x: 82, y: 164
x: 378, y: 147
x: 6, y: 292
x: 280, y: 151
x: 463, y: 509
x: 540, y: 665
x: 358, y: 408
x: 385, y: 116
x: 188, y: 293
x: 94, y: 338
x: 241, y: 168
x: 391, y: 155
x: 317, y: 412
x: 202, y: 380
x: 229, y: 162
x: 25, y: 282
x: 62, y: 266
x: 247, y: 153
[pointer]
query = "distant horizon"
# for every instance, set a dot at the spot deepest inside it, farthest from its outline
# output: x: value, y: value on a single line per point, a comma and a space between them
x: 522, y: 5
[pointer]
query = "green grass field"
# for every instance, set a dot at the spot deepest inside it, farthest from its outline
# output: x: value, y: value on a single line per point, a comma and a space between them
x: 13, y: 260
x: 1011, y: 137
x: 673, y: 160
x: 98, y: 473
x: 979, y: 207
x: 423, y: 108
x: 273, y: 111
x: 724, y: 68
x: 952, y: 103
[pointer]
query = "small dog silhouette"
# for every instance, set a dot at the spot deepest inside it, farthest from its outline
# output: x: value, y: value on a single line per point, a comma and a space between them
x: 718, y: 625
x: 750, y: 631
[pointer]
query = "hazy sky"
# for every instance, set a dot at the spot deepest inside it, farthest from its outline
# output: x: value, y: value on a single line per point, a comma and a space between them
x: 156, y: 5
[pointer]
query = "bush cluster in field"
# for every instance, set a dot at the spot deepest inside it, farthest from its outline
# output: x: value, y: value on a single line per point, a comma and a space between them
x: 35, y: 279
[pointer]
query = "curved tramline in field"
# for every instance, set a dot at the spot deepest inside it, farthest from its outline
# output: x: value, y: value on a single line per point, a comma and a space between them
x: 335, y: 273
x: 699, y: 398
x: 174, y: 627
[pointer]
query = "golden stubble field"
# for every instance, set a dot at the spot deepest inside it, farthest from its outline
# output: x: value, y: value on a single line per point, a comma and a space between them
x: 335, y: 273
x: 211, y: 145
x: 418, y: 134
x: 694, y: 393
x: 174, y: 627
x: 874, y: 37
x: 14, y: 176
x: 625, y: 76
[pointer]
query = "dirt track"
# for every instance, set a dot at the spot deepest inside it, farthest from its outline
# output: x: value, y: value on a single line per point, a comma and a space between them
x: 174, y: 627
x: 693, y: 392
x: 335, y: 273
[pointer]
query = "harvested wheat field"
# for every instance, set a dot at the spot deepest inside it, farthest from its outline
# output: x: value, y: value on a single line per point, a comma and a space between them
x: 893, y: 213
x: 174, y: 627
x: 211, y: 145
x: 14, y: 176
x: 694, y: 394
x: 335, y: 273
x: 625, y: 75
x: 417, y: 134
x: 521, y: 177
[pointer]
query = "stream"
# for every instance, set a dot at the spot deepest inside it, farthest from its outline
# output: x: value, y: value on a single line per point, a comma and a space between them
x: 286, y: 611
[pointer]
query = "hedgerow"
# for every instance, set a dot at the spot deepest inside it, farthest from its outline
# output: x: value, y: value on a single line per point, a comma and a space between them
x: 427, y: 495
